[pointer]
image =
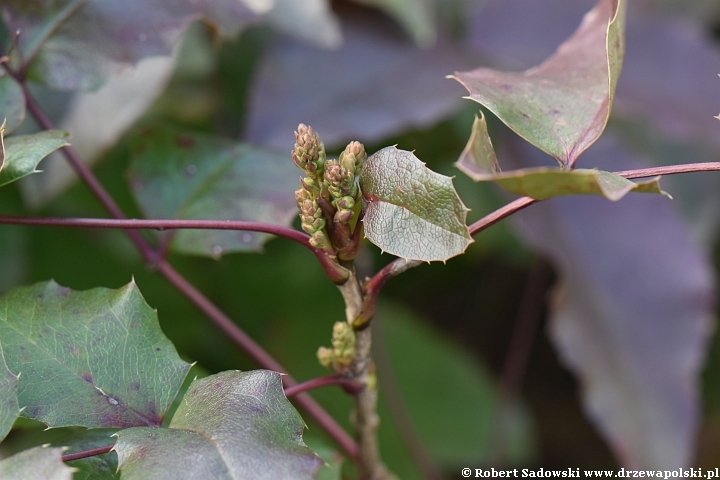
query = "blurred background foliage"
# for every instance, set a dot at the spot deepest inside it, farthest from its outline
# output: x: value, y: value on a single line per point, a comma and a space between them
x: 468, y: 375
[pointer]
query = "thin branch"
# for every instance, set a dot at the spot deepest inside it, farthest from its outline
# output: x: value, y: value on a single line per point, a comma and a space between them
x: 264, y: 359
x: 400, y: 265
x: 335, y: 272
x: 87, y: 453
x: 257, y: 353
x: 349, y: 386
x: 671, y: 170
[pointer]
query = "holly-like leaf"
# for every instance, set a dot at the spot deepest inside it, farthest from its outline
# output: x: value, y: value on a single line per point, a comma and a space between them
x: 38, y: 462
x: 176, y: 174
x: 95, y: 358
x: 229, y: 425
x: 631, y: 316
x: 411, y: 211
x: 361, y: 91
x: 79, y: 44
x: 23, y: 153
x: 9, y: 409
x: 561, y: 106
x: 98, y: 467
x: 12, y: 102
x: 479, y: 162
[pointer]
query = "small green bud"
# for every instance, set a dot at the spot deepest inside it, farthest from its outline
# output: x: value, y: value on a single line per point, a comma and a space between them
x: 340, y: 181
x: 355, y: 155
x: 309, y: 152
x: 325, y: 355
x: 342, y: 353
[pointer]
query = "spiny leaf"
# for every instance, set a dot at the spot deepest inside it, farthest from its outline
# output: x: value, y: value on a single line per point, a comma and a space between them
x: 38, y: 462
x: 230, y: 425
x: 95, y: 358
x: 9, y: 409
x: 179, y: 174
x: 479, y: 162
x: 561, y: 106
x: 411, y: 211
x: 23, y: 153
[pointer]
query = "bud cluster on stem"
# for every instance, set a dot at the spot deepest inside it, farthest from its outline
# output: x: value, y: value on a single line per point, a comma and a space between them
x: 329, y: 193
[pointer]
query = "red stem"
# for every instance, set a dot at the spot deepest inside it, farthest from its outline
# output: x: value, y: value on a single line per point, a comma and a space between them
x: 264, y: 359
x: 396, y: 267
x: 349, y: 386
x: 333, y: 271
x: 87, y: 453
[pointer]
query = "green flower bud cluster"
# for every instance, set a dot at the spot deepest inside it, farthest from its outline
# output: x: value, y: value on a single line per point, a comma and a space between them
x: 309, y: 152
x: 342, y: 352
x: 311, y: 217
x: 341, y: 180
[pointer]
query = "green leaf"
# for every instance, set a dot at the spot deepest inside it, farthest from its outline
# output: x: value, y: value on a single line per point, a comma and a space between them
x: 479, y: 162
x: 561, y: 106
x: 230, y: 425
x: 23, y: 153
x: 310, y: 20
x: 9, y: 409
x: 177, y: 174
x: 95, y: 358
x: 411, y: 211
x: 98, y: 467
x: 79, y: 44
x: 12, y: 102
x: 38, y: 462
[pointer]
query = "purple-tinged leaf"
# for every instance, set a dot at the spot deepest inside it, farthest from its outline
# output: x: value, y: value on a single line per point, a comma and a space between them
x: 632, y: 314
x: 361, y: 92
x: 411, y: 211
x: 230, y: 425
x: 9, y: 409
x: 478, y: 161
x: 671, y: 80
x: 38, y: 462
x: 178, y: 174
x: 79, y: 44
x: 95, y: 358
x: 561, y: 106
x: 12, y: 103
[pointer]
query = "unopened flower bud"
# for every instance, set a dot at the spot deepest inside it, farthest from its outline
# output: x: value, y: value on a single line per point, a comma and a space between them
x: 309, y: 152
x: 355, y: 155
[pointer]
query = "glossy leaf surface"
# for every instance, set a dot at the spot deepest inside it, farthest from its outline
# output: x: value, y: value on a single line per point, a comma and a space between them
x: 78, y: 44
x: 176, y: 174
x: 411, y: 211
x: 38, y: 462
x: 23, y: 153
x: 229, y: 425
x: 95, y: 358
x: 9, y: 409
x: 561, y: 106
x: 631, y: 315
